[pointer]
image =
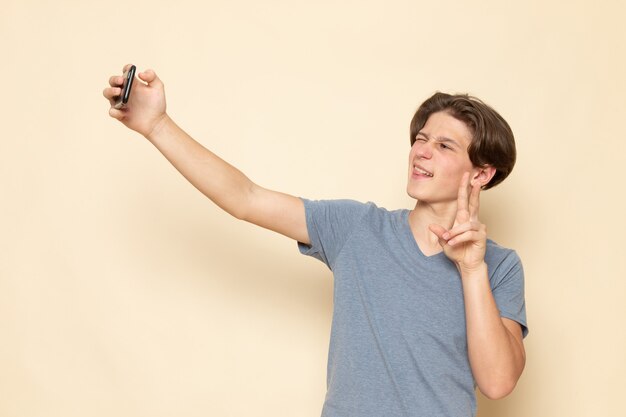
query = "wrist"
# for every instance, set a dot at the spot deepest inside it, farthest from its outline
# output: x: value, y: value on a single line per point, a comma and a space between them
x: 468, y: 271
x: 159, y: 127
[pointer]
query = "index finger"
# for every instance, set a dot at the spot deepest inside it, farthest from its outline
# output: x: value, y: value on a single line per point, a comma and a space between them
x: 118, y: 80
x: 462, y: 199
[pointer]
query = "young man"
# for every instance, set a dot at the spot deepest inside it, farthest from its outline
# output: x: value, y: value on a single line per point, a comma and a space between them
x: 426, y: 307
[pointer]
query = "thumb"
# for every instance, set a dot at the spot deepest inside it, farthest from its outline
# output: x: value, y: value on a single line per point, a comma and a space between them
x: 150, y: 77
x: 439, y: 232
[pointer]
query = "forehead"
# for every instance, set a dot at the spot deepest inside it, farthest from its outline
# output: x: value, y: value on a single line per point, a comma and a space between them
x: 441, y: 125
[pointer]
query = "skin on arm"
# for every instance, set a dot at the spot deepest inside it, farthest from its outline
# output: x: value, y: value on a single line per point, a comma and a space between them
x: 221, y: 182
x: 495, y: 345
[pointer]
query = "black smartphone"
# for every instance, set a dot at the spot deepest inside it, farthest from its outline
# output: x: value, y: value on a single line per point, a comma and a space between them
x: 122, y: 99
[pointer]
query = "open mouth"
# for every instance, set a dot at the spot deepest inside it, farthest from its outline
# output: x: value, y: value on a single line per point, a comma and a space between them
x: 421, y: 171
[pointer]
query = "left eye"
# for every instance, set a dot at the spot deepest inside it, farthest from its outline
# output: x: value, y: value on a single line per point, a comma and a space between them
x: 442, y: 146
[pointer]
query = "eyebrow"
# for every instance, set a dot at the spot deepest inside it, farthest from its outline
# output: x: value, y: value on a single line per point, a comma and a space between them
x: 441, y: 139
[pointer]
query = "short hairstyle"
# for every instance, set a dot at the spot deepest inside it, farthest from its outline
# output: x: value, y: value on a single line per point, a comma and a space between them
x: 492, y: 138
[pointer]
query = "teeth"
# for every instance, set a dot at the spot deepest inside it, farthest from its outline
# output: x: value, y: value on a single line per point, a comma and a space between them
x: 421, y: 171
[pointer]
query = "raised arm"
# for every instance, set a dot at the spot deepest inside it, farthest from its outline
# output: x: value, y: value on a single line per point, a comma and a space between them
x: 221, y: 182
x: 495, y: 344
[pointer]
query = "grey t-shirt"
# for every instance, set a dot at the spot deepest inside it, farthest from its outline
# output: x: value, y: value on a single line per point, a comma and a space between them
x: 398, y: 343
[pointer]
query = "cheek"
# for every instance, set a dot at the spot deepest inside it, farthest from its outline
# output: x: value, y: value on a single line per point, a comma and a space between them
x: 411, y: 156
x: 460, y: 163
x: 455, y: 169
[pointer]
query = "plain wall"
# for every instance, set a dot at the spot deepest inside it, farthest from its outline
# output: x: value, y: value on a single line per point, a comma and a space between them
x: 124, y: 291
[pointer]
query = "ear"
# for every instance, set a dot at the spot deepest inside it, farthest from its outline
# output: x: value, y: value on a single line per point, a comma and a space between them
x: 482, y: 175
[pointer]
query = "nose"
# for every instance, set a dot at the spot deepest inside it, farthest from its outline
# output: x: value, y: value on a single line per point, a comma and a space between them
x: 423, y: 150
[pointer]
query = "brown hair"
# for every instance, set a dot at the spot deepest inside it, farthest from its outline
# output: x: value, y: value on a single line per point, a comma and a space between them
x: 492, y: 142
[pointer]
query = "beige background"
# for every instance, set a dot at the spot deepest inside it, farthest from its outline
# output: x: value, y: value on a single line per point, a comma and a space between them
x: 123, y: 291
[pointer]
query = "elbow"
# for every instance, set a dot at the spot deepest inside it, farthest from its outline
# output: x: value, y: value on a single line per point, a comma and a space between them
x: 502, y: 382
x: 240, y: 208
x: 498, y: 390
x: 238, y: 213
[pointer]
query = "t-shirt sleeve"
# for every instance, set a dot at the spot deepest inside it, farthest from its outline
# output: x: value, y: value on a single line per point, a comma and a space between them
x: 507, y: 285
x: 329, y: 224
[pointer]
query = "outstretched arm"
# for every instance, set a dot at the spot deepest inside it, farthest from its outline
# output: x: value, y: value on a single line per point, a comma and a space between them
x: 221, y: 182
x: 495, y: 345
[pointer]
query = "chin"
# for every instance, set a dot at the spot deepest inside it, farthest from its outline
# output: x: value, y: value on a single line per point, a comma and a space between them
x: 424, y: 196
x: 416, y: 194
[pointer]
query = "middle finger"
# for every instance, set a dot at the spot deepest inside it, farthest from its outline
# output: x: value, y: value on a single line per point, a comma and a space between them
x: 474, y: 201
x: 116, y: 81
x: 111, y: 92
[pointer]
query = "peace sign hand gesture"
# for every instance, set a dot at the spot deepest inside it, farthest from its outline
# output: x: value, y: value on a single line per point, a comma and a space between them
x: 466, y: 242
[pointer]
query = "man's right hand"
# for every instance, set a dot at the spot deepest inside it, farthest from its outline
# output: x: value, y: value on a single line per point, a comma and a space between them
x: 221, y: 182
x: 146, y: 105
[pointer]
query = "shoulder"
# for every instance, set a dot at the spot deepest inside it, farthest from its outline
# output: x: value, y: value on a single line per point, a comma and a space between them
x: 345, y: 206
x: 502, y: 261
x: 499, y: 253
x: 333, y: 203
x: 368, y: 215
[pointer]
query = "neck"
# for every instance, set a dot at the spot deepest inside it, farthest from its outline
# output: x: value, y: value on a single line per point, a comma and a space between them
x: 425, y: 214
